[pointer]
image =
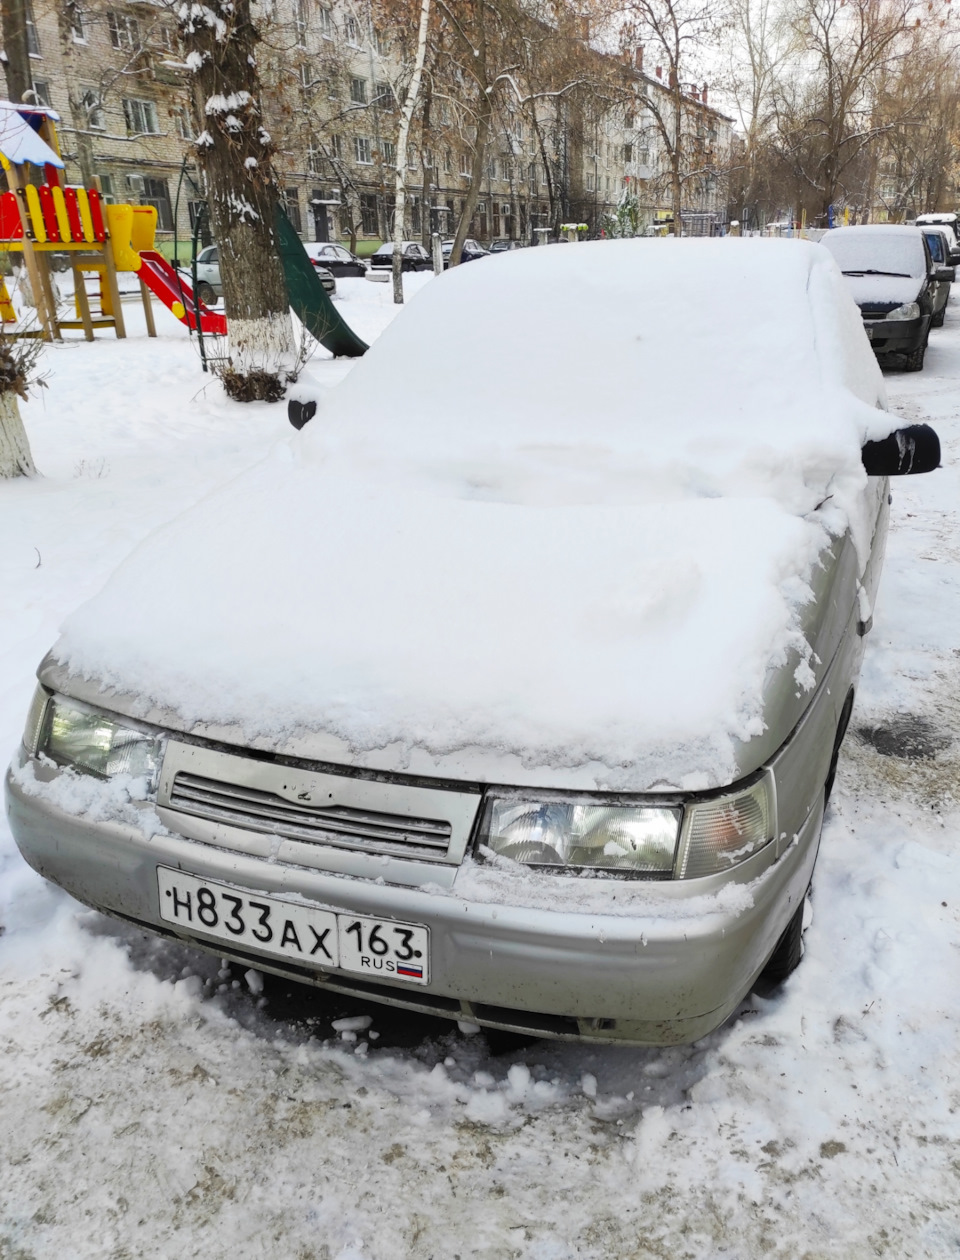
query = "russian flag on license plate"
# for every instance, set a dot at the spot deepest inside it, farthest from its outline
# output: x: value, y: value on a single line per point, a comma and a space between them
x: 409, y: 969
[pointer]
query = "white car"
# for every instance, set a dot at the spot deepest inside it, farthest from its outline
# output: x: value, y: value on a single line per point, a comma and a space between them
x: 209, y: 288
x: 511, y: 695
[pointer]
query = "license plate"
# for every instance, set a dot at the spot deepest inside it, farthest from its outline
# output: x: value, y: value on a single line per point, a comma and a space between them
x: 869, y: 333
x: 285, y: 929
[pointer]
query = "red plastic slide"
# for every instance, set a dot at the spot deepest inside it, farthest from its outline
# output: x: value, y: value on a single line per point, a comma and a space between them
x: 174, y: 292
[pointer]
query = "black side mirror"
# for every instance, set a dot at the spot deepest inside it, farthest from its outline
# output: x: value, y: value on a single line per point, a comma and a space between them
x: 298, y: 413
x: 947, y: 274
x: 915, y: 449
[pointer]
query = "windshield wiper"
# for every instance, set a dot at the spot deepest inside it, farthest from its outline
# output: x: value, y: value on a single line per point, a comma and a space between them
x: 870, y: 271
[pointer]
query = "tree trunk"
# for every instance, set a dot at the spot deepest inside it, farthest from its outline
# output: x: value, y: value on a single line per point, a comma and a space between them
x: 406, y: 116
x: 476, y: 177
x: 235, y: 155
x: 15, y: 457
x: 13, y: 25
x: 426, y: 194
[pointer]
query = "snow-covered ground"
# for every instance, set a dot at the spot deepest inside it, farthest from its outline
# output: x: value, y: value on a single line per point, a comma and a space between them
x: 152, y: 1104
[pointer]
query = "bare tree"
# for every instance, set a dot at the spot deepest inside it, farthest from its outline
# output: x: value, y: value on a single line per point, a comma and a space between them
x: 678, y: 37
x: 16, y: 49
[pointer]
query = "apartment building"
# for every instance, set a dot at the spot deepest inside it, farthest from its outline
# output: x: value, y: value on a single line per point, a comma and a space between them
x: 113, y: 69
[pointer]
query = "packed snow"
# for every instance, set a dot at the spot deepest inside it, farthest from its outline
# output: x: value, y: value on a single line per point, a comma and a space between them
x: 492, y: 571
x: 155, y: 1103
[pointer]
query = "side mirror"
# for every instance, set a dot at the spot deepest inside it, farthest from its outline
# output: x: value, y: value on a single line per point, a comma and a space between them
x: 946, y: 274
x: 915, y: 449
x: 298, y: 413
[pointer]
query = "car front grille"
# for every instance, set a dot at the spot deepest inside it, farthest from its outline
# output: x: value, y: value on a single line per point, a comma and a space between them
x: 340, y: 825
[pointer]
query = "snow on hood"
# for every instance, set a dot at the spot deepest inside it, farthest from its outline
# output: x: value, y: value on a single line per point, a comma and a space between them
x: 879, y: 290
x: 564, y: 512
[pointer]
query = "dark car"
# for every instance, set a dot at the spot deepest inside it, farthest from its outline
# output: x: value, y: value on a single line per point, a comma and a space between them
x: 415, y: 257
x: 503, y: 246
x: 950, y: 225
x: 894, y: 281
x: 939, y: 245
x: 335, y: 258
x: 471, y: 251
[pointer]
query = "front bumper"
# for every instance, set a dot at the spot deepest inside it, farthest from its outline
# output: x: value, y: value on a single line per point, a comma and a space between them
x: 662, y: 975
x: 896, y: 336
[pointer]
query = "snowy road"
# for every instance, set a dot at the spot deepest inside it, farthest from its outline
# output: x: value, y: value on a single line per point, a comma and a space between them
x: 151, y: 1106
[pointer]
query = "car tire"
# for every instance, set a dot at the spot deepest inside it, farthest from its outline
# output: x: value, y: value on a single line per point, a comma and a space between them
x: 789, y: 949
x: 937, y: 321
x: 206, y: 294
x: 913, y: 362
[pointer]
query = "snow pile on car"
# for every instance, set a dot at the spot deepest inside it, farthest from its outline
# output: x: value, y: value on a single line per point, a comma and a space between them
x: 564, y: 514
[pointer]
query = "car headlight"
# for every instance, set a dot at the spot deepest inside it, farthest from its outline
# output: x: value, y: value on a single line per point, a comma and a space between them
x: 95, y: 743
x: 706, y: 837
x: 909, y: 310
x: 720, y: 833
x: 639, y: 840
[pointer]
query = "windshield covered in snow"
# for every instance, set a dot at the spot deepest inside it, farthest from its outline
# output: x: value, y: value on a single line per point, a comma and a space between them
x: 860, y: 250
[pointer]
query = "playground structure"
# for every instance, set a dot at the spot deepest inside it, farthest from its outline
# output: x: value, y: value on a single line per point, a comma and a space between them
x: 40, y: 219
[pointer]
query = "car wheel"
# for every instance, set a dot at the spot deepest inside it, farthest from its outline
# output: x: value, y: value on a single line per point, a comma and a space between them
x: 206, y: 294
x: 937, y: 321
x: 913, y: 362
x: 789, y: 950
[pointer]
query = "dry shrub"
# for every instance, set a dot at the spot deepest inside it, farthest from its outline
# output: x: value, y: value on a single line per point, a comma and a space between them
x: 255, y: 386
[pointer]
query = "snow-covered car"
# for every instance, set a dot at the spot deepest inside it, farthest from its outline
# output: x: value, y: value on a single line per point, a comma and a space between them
x: 520, y: 704
x: 415, y: 257
x: 335, y: 258
x: 472, y: 251
x: 894, y: 281
x: 938, y: 244
x: 950, y: 223
x: 209, y: 288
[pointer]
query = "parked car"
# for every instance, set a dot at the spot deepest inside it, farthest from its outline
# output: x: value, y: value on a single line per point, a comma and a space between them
x: 951, y: 225
x: 210, y: 290
x: 335, y: 258
x: 503, y: 246
x: 415, y: 257
x: 538, y: 723
x: 893, y: 280
x: 472, y: 250
x: 939, y: 245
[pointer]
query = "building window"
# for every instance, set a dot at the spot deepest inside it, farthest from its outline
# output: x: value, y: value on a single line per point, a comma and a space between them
x: 141, y: 117
x: 291, y: 203
x: 628, y: 122
x: 76, y: 25
x: 306, y: 74
x: 33, y: 39
x: 336, y: 147
x: 447, y: 160
x: 124, y: 30
x: 492, y: 169
x: 93, y: 107
x: 351, y: 30
x: 389, y: 153
x: 361, y: 150
x: 358, y: 91
x: 185, y: 128
x: 369, y: 224
x: 314, y: 159
x: 384, y: 97
x: 591, y: 182
x: 42, y: 91
x: 628, y: 153
x: 416, y: 223
x: 465, y: 164
x: 300, y: 21
x: 156, y: 194
x: 381, y: 44
x: 428, y: 159
x: 325, y: 18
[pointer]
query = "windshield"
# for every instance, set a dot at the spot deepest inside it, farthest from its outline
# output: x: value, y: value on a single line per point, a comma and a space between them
x: 877, y: 253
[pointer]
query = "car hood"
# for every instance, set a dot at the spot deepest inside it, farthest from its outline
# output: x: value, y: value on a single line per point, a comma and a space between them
x: 586, y: 646
x: 878, y: 291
